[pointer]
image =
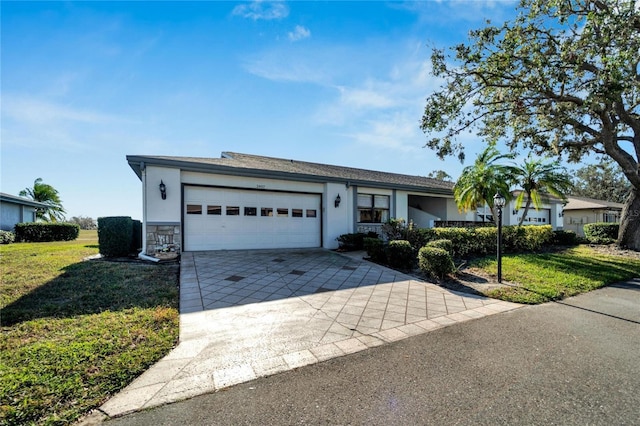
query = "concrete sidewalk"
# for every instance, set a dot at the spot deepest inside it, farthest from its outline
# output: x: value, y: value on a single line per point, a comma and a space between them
x: 248, y: 314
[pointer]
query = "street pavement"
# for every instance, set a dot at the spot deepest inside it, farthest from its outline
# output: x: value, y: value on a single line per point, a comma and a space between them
x: 574, y: 362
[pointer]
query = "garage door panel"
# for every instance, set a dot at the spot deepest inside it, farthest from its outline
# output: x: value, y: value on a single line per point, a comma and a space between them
x: 258, y: 223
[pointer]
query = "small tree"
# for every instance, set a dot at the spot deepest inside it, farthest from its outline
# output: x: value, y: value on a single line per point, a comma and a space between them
x: 479, y: 183
x: 46, y: 194
x: 538, y: 178
x: 602, y: 181
x: 86, y: 223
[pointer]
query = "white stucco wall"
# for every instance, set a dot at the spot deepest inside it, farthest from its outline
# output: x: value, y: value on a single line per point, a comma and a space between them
x: 336, y: 220
x: 157, y: 209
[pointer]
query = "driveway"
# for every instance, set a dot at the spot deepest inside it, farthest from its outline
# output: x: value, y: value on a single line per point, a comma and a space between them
x: 570, y: 363
x: 248, y: 314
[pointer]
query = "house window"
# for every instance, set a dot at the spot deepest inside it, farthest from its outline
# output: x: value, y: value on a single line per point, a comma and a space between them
x: 250, y: 211
x: 214, y: 210
x: 194, y: 209
x: 373, y: 208
x: 233, y: 211
x: 266, y: 211
x: 311, y: 213
x: 283, y: 212
x: 296, y: 212
x: 610, y: 217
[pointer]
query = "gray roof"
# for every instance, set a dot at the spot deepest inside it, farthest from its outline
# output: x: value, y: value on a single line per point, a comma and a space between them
x: 7, y: 198
x: 583, y: 203
x: 258, y: 166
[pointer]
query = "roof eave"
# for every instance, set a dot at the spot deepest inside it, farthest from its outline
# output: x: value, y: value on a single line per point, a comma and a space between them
x: 137, y: 163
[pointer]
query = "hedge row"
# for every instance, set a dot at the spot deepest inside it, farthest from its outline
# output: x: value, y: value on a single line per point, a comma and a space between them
x: 483, y: 240
x: 119, y: 236
x: 36, y: 232
x: 601, y: 232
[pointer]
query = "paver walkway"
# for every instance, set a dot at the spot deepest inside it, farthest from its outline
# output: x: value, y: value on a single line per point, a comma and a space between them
x: 247, y: 314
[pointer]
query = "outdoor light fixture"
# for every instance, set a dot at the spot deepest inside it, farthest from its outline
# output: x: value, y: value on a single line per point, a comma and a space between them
x: 499, y: 202
x: 163, y: 190
x: 337, y: 201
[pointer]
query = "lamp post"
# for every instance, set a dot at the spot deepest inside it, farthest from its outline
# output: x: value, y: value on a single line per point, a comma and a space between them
x: 499, y: 202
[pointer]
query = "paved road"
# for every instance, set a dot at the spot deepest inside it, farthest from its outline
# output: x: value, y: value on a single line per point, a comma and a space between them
x: 575, y: 362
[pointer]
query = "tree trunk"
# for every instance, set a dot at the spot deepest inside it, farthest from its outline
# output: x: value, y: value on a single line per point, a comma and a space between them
x: 629, y: 235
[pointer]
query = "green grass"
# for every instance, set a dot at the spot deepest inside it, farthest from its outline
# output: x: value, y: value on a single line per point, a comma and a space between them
x: 539, y: 278
x: 74, y: 332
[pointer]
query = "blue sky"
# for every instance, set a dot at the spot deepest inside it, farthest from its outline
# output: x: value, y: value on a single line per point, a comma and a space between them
x: 86, y: 83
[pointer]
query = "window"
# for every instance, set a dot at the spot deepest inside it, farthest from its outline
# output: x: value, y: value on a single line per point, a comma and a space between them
x: 373, y: 208
x: 296, y: 212
x: 283, y: 212
x: 214, y: 210
x: 610, y: 218
x: 250, y: 211
x: 266, y: 211
x: 311, y: 213
x: 194, y: 209
x: 233, y: 211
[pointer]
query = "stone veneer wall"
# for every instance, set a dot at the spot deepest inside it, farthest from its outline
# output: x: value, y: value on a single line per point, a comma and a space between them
x: 163, y: 238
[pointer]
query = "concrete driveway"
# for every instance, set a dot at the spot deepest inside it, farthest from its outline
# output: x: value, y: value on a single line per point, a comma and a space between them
x: 247, y: 314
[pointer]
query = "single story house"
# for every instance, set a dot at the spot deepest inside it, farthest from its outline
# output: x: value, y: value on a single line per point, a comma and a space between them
x: 549, y: 213
x: 14, y: 209
x: 580, y: 210
x: 242, y: 201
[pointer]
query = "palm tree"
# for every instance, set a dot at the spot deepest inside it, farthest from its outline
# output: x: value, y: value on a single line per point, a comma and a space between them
x: 48, y: 195
x: 539, y: 178
x: 479, y: 183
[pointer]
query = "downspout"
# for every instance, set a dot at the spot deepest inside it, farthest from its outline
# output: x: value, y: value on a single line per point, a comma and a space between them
x: 143, y: 177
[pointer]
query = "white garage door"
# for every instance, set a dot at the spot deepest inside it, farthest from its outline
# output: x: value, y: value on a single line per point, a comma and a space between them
x: 232, y: 219
x: 536, y: 217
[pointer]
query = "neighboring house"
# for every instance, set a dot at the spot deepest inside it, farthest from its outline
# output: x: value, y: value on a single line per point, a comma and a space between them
x: 580, y: 210
x: 550, y: 213
x: 242, y: 201
x: 14, y: 209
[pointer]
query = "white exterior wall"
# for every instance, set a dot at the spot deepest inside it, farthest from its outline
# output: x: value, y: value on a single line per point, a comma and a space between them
x: 402, y: 205
x: 156, y: 209
x: 336, y: 220
x: 251, y: 183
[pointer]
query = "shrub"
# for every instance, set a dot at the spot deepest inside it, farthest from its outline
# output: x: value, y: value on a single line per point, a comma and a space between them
x: 351, y: 242
x: 394, y: 229
x: 36, y: 232
x: 400, y: 254
x: 115, y: 235
x: 564, y: 238
x: 136, y: 236
x: 464, y: 240
x: 7, y: 237
x: 443, y: 244
x: 435, y: 261
x: 375, y: 249
x: 601, y: 232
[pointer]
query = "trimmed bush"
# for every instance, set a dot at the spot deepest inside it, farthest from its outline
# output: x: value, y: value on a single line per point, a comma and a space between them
x: 6, y: 237
x: 351, y: 242
x: 37, y: 232
x: 115, y: 235
x: 136, y: 236
x: 435, y: 261
x: 400, y: 254
x: 601, y: 232
x: 443, y: 244
x: 564, y: 238
x: 375, y: 249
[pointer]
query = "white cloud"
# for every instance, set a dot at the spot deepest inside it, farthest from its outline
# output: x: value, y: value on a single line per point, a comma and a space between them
x: 299, y: 33
x: 262, y: 10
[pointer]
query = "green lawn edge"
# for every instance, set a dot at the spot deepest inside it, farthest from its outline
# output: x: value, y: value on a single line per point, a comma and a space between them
x: 76, y: 332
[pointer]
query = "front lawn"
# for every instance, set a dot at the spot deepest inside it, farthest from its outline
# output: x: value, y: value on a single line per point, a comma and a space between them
x: 538, y: 278
x: 74, y: 332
